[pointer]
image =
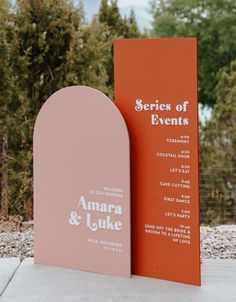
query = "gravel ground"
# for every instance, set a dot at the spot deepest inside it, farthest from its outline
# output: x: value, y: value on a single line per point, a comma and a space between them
x: 216, y: 243
x: 17, y: 244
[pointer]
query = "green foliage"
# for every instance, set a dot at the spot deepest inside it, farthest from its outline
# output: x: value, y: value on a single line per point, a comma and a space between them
x: 110, y: 15
x: 213, y: 22
x: 6, y: 83
x: 131, y: 26
x: 217, y: 156
x: 45, y: 32
x: 89, y: 66
x: 118, y: 27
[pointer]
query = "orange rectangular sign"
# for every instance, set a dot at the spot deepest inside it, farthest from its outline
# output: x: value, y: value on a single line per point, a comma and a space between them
x: 156, y: 91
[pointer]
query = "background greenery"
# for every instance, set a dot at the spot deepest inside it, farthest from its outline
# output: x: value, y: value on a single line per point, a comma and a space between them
x: 46, y: 45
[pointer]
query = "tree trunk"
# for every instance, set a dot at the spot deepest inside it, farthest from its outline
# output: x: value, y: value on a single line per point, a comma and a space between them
x: 4, y: 184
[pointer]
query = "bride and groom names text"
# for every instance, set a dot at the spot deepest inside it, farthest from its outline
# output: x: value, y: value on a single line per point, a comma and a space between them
x: 105, y: 223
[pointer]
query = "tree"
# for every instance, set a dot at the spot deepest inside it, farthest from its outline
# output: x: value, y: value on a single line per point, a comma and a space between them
x: 89, y: 57
x: 131, y: 25
x: 40, y: 41
x: 6, y: 84
x: 110, y: 15
x: 45, y: 31
x: 213, y: 22
x: 119, y: 27
x: 217, y: 156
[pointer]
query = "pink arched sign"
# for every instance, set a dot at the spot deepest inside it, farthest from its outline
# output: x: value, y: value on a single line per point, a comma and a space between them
x: 82, y: 183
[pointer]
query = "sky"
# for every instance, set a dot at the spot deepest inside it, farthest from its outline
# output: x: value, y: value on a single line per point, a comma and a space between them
x: 126, y: 2
x: 133, y: 2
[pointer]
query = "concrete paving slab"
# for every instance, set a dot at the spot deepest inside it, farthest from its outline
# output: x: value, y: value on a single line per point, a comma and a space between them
x: 8, y: 267
x: 39, y: 283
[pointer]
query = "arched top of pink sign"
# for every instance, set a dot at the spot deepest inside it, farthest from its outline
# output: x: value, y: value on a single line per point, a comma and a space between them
x: 86, y: 97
